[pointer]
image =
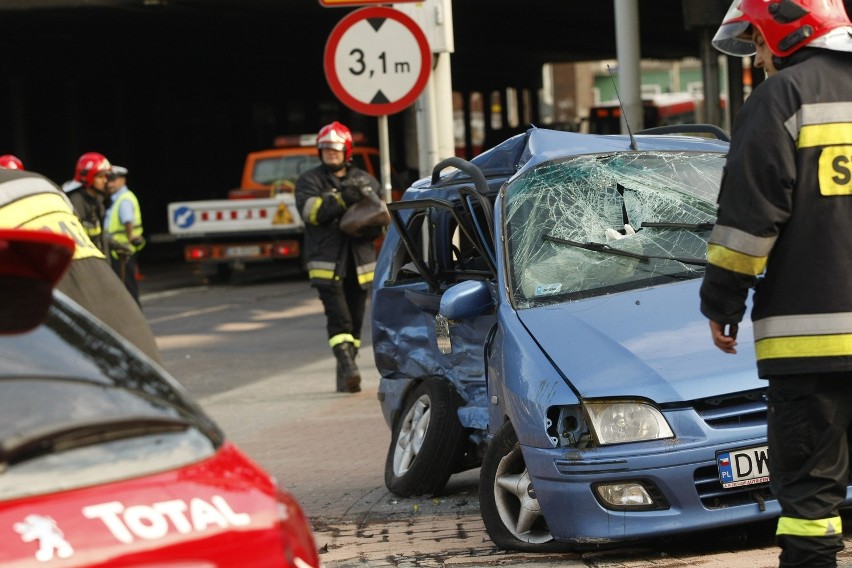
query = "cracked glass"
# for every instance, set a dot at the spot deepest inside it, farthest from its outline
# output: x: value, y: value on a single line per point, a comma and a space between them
x: 597, y: 224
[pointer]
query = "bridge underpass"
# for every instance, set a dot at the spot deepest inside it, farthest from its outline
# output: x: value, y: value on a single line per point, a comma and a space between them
x: 179, y: 91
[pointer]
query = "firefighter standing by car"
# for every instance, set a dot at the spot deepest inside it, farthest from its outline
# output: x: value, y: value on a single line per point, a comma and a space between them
x: 31, y: 201
x: 92, y: 173
x: 785, y: 206
x: 123, y: 226
x: 339, y: 266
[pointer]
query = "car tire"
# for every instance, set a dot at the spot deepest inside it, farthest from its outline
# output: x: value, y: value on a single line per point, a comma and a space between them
x: 427, y: 441
x: 509, y: 509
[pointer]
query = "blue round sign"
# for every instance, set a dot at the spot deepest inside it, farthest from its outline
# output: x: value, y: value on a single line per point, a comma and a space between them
x: 184, y: 217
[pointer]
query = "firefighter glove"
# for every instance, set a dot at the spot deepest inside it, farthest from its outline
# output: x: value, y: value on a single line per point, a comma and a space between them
x: 351, y: 194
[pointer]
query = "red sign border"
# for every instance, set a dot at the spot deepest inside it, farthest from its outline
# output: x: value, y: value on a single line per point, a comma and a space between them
x: 337, y: 87
x: 350, y: 3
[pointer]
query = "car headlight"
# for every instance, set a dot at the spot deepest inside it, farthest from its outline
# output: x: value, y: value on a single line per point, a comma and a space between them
x: 620, y: 421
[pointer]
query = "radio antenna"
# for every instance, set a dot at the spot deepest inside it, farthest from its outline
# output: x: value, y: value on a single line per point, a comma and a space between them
x: 633, y: 145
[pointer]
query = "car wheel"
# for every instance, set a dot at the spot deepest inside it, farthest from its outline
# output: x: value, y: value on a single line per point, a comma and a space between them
x: 507, y: 501
x: 427, y: 440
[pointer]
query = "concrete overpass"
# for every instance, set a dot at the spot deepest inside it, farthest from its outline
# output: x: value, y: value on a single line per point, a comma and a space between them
x: 180, y: 90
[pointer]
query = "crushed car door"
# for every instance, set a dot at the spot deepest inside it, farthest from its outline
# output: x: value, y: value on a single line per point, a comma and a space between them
x: 436, y: 250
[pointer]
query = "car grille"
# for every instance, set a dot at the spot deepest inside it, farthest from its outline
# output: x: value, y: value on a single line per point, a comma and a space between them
x: 739, y: 412
x: 744, y: 410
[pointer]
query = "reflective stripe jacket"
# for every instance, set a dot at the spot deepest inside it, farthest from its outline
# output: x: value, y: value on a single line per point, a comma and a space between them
x: 90, y: 210
x: 319, y: 201
x: 784, y: 223
x: 30, y: 201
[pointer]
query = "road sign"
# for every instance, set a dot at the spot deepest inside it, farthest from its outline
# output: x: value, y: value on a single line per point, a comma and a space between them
x: 377, y: 61
x: 335, y: 3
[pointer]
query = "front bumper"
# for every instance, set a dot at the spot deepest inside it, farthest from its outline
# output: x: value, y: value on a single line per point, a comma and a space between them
x: 685, y: 474
x: 687, y: 480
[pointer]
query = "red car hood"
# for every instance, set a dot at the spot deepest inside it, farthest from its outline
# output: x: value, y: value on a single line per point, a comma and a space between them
x: 224, y: 511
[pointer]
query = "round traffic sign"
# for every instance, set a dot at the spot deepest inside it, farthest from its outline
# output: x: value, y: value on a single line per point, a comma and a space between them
x: 377, y: 61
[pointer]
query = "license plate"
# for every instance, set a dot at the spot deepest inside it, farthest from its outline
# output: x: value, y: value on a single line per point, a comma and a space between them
x: 747, y: 466
x: 242, y: 251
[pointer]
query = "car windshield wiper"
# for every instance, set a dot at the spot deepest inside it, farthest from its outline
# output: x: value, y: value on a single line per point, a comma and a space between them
x: 607, y: 249
x: 62, y: 437
x: 671, y: 225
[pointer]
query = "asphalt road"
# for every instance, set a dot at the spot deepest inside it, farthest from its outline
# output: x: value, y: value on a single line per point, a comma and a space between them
x: 253, y: 354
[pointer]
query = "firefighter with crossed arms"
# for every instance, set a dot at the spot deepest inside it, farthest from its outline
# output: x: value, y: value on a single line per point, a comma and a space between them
x: 783, y: 228
x: 340, y: 266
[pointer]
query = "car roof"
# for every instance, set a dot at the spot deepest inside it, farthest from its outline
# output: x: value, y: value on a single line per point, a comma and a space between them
x: 545, y: 145
x: 537, y: 145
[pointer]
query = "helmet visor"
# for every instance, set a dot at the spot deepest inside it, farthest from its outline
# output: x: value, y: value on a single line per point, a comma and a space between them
x: 732, y: 37
x: 339, y: 146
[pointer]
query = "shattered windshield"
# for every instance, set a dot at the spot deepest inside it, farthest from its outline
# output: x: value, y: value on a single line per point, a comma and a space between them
x: 597, y: 224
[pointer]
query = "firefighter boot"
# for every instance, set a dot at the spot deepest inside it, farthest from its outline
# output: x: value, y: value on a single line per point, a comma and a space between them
x: 348, y: 377
x: 355, y: 385
x: 341, y: 377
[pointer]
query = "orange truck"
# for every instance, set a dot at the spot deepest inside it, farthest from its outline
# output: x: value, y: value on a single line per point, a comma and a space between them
x: 257, y: 223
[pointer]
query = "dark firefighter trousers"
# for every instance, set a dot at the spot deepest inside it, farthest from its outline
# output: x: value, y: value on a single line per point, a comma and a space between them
x: 344, y: 302
x: 125, y: 267
x: 808, y: 420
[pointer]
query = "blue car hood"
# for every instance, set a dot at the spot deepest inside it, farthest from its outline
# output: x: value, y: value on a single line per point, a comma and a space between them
x: 652, y: 343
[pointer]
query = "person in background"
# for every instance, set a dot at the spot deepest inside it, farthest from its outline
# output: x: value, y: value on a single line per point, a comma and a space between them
x: 92, y: 172
x: 339, y: 266
x: 782, y: 228
x: 10, y: 162
x: 31, y: 201
x: 123, y: 226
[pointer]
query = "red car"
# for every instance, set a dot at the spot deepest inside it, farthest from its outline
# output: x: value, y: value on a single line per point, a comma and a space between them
x: 104, y: 459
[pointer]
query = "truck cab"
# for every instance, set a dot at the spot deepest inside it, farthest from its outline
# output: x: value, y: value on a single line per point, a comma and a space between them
x: 269, y: 172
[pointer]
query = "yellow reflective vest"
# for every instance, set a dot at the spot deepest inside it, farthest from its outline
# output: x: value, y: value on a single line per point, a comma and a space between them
x: 30, y: 201
x: 115, y: 228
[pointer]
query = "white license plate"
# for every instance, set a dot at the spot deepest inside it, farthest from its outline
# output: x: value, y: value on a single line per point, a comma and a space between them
x: 242, y: 251
x: 746, y: 466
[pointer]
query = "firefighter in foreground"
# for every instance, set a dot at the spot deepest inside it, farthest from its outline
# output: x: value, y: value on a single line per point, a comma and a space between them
x: 783, y: 228
x: 339, y: 266
x: 31, y: 201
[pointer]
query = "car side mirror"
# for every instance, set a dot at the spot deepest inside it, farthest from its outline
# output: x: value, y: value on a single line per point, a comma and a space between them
x: 31, y: 263
x: 464, y: 300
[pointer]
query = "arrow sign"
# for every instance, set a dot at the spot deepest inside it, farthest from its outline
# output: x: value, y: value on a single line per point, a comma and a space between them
x: 377, y: 61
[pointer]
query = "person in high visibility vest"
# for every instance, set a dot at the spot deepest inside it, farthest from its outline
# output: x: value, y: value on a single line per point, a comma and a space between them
x: 782, y: 228
x: 31, y: 201
x: 123, y: 226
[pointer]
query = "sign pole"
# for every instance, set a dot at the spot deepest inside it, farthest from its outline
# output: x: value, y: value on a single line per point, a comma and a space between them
x: 384, y: 157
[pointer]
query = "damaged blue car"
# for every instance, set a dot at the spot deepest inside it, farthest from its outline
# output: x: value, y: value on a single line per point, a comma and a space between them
x: 535, y: 314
